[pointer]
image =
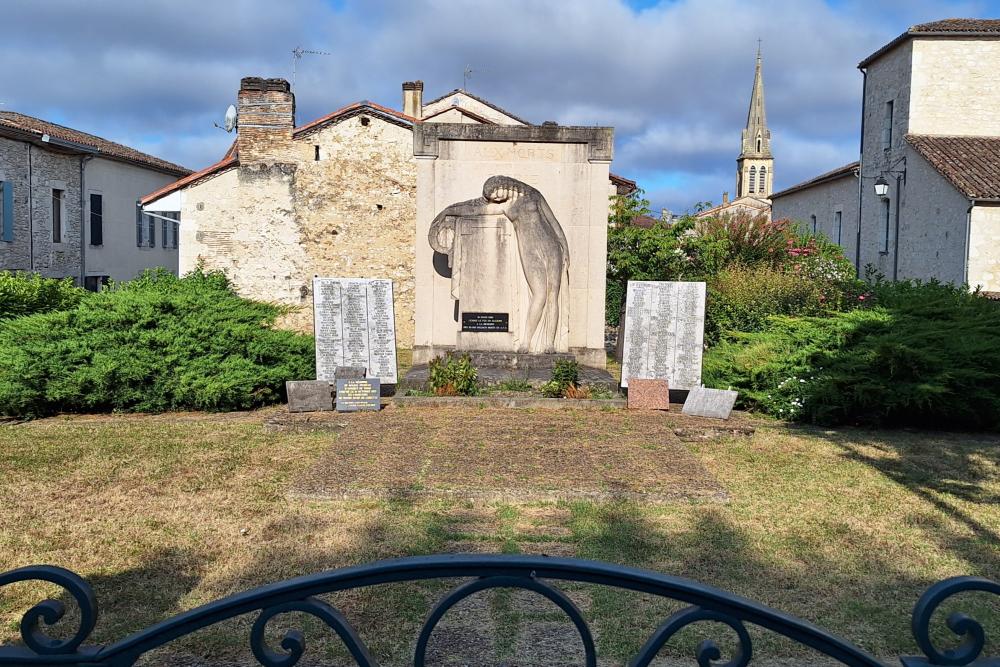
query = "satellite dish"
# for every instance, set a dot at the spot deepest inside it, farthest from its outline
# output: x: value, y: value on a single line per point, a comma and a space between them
x: 230, y: 121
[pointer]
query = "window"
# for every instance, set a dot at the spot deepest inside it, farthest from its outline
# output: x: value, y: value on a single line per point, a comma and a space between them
x: 95, y: 283
x: 177, y: 231
x: 887, y: 126
x: 753, y: 179
x: 885, y: 220
x: 57, y: 215
x: 838, y: 221
x: 6, y: 211
x: 96, y: 219
x: 145, y: 230
x: 812, y: 221
x: 316, y: 149
x: 165, y: 229
x: 758, y: 144
x: 151, y: 237
x: 762, y: 188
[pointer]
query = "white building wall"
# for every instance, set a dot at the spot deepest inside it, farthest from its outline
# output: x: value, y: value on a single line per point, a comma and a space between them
x: 984, y: 247
x: 824, y: 200
x: 470, y: 104
x: 932, y: 225
x: 888, y: 78
x: 121, y: 186
x: 954, y: 87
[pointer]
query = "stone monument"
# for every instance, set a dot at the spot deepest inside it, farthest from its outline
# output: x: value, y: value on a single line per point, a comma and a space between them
x: 511, y: 239
x: 664, y: 332
x: 354, y: 327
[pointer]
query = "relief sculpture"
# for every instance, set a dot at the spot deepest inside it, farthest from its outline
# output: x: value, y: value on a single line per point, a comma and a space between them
x: 542, y: 249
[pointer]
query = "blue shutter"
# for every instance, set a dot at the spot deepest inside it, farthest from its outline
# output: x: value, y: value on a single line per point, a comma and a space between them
x: 152, y: 231
x: 138, y: 225
x: 7, y: 234
x: 163, y: 228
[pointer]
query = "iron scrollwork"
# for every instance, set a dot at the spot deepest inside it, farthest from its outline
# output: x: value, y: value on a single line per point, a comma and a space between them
x: 532, y: 573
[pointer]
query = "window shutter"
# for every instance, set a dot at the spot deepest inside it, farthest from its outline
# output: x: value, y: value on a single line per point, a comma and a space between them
x: 7, y: 232
x: 138, y: 225
x: 152, y: 231
x: 96, y: 219
x: 177, y: 231
x: 163, y: 228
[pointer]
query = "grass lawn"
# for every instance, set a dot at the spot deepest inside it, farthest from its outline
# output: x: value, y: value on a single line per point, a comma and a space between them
x: 162, y: 513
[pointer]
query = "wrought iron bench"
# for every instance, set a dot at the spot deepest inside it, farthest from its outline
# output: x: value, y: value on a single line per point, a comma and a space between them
x: 533, y: 573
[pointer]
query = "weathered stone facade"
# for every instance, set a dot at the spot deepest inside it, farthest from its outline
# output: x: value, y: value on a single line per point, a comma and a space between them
x: 832, y: 201
x: 34, y: 173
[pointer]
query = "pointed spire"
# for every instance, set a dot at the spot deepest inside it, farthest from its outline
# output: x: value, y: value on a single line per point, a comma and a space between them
x: 756, y: 136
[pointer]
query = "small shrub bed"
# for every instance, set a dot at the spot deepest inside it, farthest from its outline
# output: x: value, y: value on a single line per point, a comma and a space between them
x: 923, y: 355
x: 28, y: 293
x: 153, y: 344
x: 453, y: 375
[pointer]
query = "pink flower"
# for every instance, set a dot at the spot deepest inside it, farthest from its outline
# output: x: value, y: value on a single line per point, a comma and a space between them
x: 861, y: 297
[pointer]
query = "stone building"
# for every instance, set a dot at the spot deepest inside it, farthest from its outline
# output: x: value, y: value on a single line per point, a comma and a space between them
x: 68, y: 204
x: 335, y: 197
x: 755, y: 164
x: 926, y: 192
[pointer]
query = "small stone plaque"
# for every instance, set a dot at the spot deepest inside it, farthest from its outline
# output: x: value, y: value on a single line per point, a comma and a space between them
x: 645, y: 394
x: 704, y: 402
x: 358, y: 394
x: 309, y: 395
x: 486, y: 322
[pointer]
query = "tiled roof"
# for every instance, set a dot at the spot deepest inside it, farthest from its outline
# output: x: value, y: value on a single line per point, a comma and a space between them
x: 971, y: 164
x: 38, y: 127
x: 478, y: 99
x: 832, y: 175
x: 229, y: 161
x: 363, y: 106
x: 626, y: 186
x: 942, y: 28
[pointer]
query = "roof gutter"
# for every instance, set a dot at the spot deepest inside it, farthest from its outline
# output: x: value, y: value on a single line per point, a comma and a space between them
x: 861, y: 169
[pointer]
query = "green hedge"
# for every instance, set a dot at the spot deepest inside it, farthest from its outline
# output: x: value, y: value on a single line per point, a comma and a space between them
x: 153, y: 344
x: 27, y: 293
x: 923, y: 355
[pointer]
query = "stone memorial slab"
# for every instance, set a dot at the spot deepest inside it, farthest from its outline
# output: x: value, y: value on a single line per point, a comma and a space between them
x: 350, y: 372
x: 664, y: 332
x: 358, y: 395
x: 354, y: 327
x: 309, y: 395
x: 704, y: 402
x: 644, y: 394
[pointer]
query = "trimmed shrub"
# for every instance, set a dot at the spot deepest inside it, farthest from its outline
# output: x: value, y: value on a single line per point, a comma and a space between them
x: 28, y: 293
x: 153, y: 344
x: 453, y: 375
x: 926, y: 355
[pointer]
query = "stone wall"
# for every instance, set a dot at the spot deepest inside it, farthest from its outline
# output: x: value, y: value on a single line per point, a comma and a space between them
x: 273, y: 227
x: 984, y: 247
x: 824, y: 200
x: 470, y: 104
x: 954, y: 87
x: 49, y: 171
x: 932, y: 225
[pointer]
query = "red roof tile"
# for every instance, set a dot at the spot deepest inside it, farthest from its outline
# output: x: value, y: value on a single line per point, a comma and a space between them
x: 971, y: 164
x: 227, y: 162
x: 109, y: 149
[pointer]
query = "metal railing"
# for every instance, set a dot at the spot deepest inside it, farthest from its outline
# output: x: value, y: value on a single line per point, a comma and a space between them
x: 532, y: 573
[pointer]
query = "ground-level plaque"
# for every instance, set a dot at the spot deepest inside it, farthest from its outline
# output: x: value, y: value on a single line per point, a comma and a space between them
x: 309, y: 395
x: 704, y: 402
x: 358, y: 395
x: 354, y: 326
x: 648, y: 394
x: 664, y: 332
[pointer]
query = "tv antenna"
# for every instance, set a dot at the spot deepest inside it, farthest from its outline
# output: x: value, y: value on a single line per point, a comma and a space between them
x: 230, y: 122
x: 466, y: 75
x: 297, y: 54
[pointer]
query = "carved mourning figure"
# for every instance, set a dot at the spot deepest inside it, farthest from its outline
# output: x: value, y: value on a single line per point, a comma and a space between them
x: 541, y: 244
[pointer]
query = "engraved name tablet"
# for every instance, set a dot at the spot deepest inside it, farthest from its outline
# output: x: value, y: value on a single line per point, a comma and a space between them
x: 354, y: 326
x: 664, y: 332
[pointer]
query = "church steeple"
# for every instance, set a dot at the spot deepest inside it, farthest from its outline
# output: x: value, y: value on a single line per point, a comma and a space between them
x: 754, y: 167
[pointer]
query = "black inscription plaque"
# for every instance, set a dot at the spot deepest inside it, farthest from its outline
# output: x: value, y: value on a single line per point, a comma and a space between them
x: 358, y: 394
x: 486, y: 322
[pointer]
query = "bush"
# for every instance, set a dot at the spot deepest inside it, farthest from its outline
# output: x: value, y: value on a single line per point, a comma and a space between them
x: 28, y: 293
x: 153, y: 344
x: 453, y: 375
x: 746, y: 238
x: 926, y: 355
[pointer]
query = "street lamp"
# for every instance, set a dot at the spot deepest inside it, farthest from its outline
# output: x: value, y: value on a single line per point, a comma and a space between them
x: 882, y: 187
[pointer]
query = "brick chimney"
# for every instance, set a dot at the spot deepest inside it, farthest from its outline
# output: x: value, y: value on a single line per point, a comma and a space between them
x: 413, y: 98
x: 265, y: 120
x: 725, y: 197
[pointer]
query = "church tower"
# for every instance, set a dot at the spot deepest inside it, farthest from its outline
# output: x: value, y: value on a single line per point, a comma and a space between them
x: 755, y: 165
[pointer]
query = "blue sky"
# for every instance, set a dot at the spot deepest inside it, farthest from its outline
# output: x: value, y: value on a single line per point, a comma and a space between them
x: 672, y: 77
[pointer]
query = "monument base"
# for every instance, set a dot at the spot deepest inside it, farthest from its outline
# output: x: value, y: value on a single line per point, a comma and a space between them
x: 592, y: 357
